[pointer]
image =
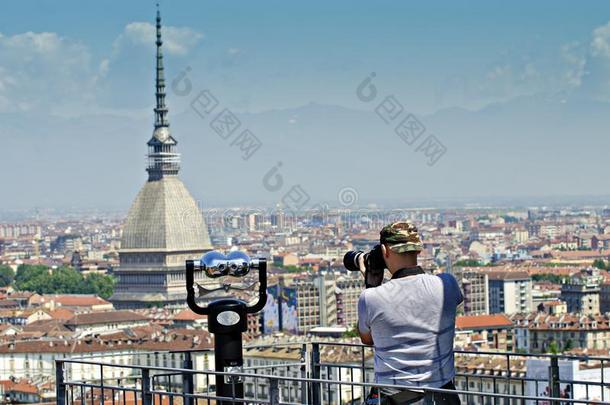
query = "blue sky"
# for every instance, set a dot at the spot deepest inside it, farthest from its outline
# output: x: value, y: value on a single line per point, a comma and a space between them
x: 76, y: 60
x: 263, y: 55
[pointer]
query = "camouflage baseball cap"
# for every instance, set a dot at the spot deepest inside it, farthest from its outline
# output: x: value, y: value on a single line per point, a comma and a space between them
x: 401, y: 237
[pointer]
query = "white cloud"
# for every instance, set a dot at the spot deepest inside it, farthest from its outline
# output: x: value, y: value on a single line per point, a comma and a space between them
x: 43, y: 70
x: 499, y: 72
x: 574, y: 57
x: 507, y: 80
x: 176, y: 40
x: 103, y: 69
x: 578, y: 69
x: 600, y: 44
x: 594, y: 72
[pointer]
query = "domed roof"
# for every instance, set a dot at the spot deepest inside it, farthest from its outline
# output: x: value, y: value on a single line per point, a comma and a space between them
x: 164, y: 217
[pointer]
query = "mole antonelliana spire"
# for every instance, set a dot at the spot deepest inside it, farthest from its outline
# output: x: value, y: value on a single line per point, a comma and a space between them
x: 164, y: 226
x: 160, y: 109
x: 162, y: 157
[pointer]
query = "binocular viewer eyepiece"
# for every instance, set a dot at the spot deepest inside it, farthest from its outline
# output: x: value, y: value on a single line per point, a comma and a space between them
x: 235, y: 264
x: 215, y: 264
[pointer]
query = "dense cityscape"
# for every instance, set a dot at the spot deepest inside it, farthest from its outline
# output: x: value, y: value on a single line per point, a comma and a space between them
x: 534, y: 280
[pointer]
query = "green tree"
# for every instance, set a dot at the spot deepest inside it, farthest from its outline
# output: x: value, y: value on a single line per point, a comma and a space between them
x: 353, y: 332
x: 99, y: 284
x: 599, y: 263
x: 468, y: 263
x: 553, y: 278
x: 568, y: 346
x: 32, y: 277
x: 7, y: 275
x: 64, y: 280
x: 553, y: 348
x: 290, y: 268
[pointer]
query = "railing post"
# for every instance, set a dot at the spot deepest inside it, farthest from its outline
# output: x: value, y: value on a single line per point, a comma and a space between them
x: 274, y: 391
x: 603, y: 383
x: 363, y: 364
x: 428, y: 398
x: 60, y: 387
x: 315, y: 373
x: 146, y: 394
x: 554, y: 384
x: 101, y: 385
x: 187, y: 379
x: 304, y: 373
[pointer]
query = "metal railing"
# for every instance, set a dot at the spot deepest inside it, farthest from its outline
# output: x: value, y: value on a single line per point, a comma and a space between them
x: 317, y: 378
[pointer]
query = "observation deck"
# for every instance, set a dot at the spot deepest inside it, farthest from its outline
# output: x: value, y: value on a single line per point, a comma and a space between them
x: 324, y: 372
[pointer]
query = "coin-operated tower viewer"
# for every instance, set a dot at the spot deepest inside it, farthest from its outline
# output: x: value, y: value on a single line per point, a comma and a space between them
x: 227, y: 317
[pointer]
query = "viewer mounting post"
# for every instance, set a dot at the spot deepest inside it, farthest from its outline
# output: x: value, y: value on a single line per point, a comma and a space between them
x: 227, y: 317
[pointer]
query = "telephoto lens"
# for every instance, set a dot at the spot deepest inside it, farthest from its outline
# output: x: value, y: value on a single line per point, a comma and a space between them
x: 350, y: 260
x: 374, y: 265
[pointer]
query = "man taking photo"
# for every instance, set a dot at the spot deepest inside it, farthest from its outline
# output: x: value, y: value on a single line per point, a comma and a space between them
x: 410, y: 320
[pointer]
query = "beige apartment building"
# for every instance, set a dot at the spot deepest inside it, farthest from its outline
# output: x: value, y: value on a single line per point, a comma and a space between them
x: 316, y: 301
x: 536, y: 332
x: 347, y: 293
x: 582, y: 292
x: 475, y: 288
x: 510, y: 292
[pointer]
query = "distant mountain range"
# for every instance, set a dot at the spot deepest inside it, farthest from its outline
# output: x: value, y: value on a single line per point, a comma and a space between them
x: 521, y: 150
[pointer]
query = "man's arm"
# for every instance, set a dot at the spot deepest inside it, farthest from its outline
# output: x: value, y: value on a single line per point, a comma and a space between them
x: 451, y: 284
x: 364, y: 328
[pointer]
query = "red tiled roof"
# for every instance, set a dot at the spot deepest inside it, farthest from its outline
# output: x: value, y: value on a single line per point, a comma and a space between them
x: 21, y: 295
x: 580, y: 254
x: 553, y: 303
x: 62, y: 314
x: 9, y: 303
x: 178, y: 339
x: 6, y: 326
x: 19, y: 386
x: 95, y: 318
x: 46, y: 326
x: 572, y: 322
x: 482, y: 321
x: 78, y: 300
x: 507, y: 275
x: 188, y: 315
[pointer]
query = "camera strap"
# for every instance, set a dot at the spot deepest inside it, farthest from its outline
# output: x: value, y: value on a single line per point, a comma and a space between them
x: 408, y: 271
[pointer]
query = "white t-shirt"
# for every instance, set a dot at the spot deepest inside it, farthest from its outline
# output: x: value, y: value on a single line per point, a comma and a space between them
x: 412, y: 321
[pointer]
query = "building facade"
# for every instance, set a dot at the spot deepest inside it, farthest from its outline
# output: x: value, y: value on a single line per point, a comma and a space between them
x: 582, y: 292
x: 316, y: 301
x: 475, y: 288
x: 604, y: 298
x: 541, y: 333
x: 509, y: 292
x: 347, y: 293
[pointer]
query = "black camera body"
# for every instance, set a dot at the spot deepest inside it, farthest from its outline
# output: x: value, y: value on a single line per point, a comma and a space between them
x: 373, y: 263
